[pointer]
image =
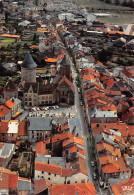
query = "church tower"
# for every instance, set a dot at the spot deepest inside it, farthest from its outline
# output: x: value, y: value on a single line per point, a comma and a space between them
x: 65, y: 68
x: 28, y: 69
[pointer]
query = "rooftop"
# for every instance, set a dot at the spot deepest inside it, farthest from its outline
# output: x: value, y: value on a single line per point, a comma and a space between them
x: 28, y: 62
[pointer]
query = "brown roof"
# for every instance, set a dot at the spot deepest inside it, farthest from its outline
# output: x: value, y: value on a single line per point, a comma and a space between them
x: 10, y: 86
x: 40, y: 148
x: 22, y: 131
x: 4, y: 126
x: 4, y: 111
x: 41, y: 185
x: 65, y: 79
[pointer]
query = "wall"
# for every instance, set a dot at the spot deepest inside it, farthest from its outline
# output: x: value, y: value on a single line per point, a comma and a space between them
x: 28, y: 75
x: 57, y: 179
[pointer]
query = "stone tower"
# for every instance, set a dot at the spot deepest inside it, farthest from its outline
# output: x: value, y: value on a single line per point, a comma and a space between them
x: 65, y: 67
x: 28, y: 69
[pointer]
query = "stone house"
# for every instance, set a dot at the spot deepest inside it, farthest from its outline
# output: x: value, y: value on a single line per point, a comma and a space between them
x: 38, y: 128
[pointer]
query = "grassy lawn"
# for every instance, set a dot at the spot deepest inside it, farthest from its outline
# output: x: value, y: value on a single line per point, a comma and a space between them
x: 7, y: 41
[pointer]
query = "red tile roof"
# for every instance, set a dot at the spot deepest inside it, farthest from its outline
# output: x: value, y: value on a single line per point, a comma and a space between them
x: 10, y: 103
x: 41, y: 185
x: 108, y: 148
x: 4, y: 126
x: 113, y: 164
x: 62, y: 136
x: 80, y: 188
x: 77, y: 140
x: 4, y: 111
x: 50, y: 168
x: 120, y: 127
x: 125, y: 187
x: 127, y: 72
x: 22, y: 131
x: 130, y: 130
x: 110, y: 83
x: 40, y: 148
x: 9, y: 179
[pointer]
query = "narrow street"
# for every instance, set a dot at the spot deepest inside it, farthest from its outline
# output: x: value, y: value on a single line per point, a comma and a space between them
x: 86, y: 135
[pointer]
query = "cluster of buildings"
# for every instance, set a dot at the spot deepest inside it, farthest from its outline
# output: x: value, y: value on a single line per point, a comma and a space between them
x: 49, y: 155
x: 108, y: 106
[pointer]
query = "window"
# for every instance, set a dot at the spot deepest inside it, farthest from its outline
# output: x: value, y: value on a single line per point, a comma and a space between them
x: 55, y: 175
x: 49, y: 178
x: 42, y: 172
x: 49, y: 173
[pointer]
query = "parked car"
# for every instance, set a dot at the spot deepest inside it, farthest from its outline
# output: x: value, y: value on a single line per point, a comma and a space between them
x: 94, y: 176
x: 41, y: 109
x: 92, y: 163
x: 81, y: 104
x: 34, y: 109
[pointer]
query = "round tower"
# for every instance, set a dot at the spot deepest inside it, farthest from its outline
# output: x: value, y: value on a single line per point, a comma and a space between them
x: 28, y: 69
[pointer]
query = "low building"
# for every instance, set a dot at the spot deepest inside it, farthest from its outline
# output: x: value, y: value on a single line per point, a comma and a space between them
x: 6, y: 153
x: 38, y: 128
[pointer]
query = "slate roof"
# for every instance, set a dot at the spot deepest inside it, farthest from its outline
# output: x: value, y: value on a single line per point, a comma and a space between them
x: 74, y: 123
x: 39, y: 123
x: 6, y: 150
x: 24, y: 184
x: 28, y: 62
x: 65, y: 62
x: 105, y: 138
x: 60, y: 161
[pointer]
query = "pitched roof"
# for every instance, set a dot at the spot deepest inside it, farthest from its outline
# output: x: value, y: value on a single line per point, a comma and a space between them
x: 113, y: 164
x: 9, y: 179
x: 10, y: 103
x: 50, y: 168
x: 4, y: 111
x: 28, y: 62
x: 76, y: 140
x: 22, y: 131
x: 125, y: 187
x: 62, y: 136
x: 80, y: 188
x: 65, y: 79
x: 119, y: 127
x: 4, y: 126
x: 115, y: 151
x: 41, y: 185
x: 40, y: 148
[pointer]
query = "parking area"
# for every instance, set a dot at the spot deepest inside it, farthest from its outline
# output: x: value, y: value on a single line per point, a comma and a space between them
x: 54, y: 112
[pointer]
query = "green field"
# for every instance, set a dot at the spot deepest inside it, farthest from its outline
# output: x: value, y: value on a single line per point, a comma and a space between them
x: 123, y: 16
x: 6, y: 41
x: 96, y: 4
